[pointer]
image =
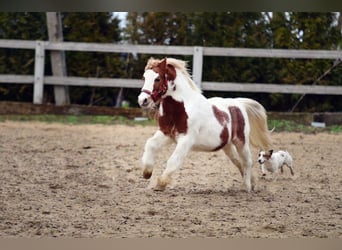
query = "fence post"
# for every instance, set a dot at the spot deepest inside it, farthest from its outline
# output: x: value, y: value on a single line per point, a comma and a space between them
x: 55, y: 30
x: 197, y: 65
x: 38, y: 86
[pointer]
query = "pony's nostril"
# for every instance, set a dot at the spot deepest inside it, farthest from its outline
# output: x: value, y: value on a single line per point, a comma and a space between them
x: 145, y: 102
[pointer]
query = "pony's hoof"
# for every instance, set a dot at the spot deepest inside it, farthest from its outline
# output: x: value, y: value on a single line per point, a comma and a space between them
x: 159, y: 188
x: 250, y: 189
x: 147, y: 174
x: 161, y: 184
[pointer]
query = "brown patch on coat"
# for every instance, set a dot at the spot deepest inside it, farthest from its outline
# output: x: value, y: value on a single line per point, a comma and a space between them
x: 170, y: 72
x: 222, y: 118
x: 166, y: 72
x: 268, y: 156
x: 171, y: 65
x: 238, y: 124
x: 174, y: 118
x: 220, y: 115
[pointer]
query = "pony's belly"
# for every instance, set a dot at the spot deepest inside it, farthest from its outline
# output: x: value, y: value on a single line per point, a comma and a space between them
x: 203, y: 148
x: 208, y: 142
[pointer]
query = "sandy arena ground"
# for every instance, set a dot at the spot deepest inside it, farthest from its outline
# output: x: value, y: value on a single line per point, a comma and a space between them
x: 85, y: 181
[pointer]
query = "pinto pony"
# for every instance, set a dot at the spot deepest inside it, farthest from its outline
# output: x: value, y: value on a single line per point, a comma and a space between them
x: 194, y: 122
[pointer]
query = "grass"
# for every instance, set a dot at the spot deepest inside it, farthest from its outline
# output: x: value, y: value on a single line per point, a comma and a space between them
x: 278, y: 125
x: 291, y: 126
x: 74, y: 119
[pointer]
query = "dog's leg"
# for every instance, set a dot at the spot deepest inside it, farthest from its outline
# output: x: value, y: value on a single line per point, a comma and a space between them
x: 275, y: 174
x: 291, y: 169
x: 263, y: 171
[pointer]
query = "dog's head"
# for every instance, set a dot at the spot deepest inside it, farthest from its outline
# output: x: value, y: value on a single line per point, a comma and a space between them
x: 264, y: 156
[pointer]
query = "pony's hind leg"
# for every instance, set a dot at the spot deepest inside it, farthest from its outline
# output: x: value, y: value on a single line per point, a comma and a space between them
x: 233, y: 155
x: 152, y: 145
x: 246, y: 158
x: 249, y: 179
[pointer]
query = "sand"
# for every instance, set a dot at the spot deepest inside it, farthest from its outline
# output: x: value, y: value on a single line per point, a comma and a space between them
x: 86, y: 181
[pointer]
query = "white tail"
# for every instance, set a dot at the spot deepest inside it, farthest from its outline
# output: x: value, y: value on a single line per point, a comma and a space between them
x: 259, y: 134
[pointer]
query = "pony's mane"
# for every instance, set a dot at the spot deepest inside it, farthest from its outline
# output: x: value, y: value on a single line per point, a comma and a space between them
x: 177, y: 64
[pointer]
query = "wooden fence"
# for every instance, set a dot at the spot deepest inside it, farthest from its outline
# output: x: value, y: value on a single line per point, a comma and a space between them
x: 198, y: 53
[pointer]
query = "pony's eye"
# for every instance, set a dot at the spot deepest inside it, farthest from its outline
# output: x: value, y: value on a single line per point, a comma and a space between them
x: 157, y: 79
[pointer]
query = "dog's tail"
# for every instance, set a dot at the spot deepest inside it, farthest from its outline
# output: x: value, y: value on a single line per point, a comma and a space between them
x: 259, y: 133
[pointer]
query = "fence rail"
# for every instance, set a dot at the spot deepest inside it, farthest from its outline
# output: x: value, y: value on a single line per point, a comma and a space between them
x: 198, y: 53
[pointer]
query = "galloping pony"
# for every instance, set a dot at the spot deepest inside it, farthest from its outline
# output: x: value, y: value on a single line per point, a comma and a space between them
x: 194, y: 122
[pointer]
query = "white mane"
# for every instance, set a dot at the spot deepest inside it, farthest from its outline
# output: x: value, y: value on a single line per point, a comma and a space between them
x: 178, y: 64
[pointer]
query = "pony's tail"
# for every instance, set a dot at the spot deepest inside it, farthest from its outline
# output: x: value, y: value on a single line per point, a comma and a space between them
x: 260, y: 136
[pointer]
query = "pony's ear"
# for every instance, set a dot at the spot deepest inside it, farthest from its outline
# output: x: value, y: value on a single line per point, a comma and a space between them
x: 162, y: 65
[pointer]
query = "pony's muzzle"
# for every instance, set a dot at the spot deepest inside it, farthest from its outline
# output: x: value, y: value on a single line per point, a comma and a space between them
x: 144, y: 100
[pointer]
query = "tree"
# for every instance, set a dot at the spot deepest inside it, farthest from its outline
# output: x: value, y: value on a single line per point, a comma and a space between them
x: 155, y: 28
x: 159, y: 28
x: 78, y: 27
x: 303, y: 31
x: 287, y: 30
x: 221, y: 29
x: 100, y: 27
x: 26, y: 26
x: 225, y: 29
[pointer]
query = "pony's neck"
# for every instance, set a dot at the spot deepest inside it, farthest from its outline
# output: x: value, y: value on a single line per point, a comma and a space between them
x: 183, y: 88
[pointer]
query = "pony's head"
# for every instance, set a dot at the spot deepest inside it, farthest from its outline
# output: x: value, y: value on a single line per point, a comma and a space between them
x: 156, y: 77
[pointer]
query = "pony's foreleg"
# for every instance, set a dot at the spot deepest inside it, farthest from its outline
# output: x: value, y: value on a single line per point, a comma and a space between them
x: 184, y: 145
x: 152, y: 145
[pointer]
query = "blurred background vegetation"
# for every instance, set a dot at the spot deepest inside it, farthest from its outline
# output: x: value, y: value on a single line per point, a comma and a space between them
x: 278, y: 30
